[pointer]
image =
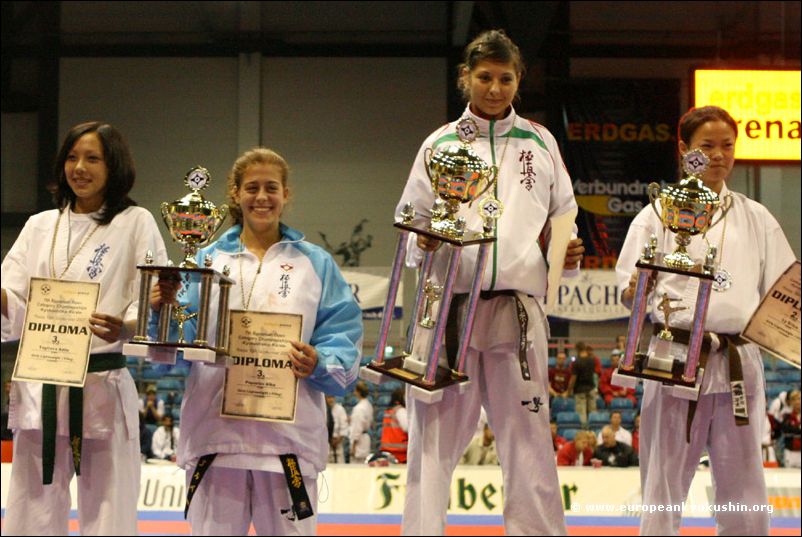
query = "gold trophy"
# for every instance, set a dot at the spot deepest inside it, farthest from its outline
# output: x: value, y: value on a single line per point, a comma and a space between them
x: 192, y: 222
x: 687, y: 209
x: 458, y: 176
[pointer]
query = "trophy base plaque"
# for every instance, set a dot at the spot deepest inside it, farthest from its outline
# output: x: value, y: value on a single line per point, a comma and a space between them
x: 165, y: 353
x: 643, y: 369
x: 394, y: 367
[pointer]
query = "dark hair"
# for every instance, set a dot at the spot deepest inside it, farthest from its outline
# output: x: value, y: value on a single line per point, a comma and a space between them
x: 257, y: 155
x: 696, y: 117
x: 120, y: 166
x: 492, y: 45
x: 362, y: 389
x: 398, y: 397
x: 616, y: 412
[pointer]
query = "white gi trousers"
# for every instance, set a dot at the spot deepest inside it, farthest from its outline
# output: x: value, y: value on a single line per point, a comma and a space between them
x: 440, y: 432
x: 668, y: 463
x: 108, y: 487
x: 228, y: 499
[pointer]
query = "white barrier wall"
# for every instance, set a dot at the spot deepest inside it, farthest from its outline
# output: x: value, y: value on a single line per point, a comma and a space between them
x: 476, y: 490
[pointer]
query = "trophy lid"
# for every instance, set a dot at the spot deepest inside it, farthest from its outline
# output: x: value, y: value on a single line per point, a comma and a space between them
x: 197, y: 178
x: 691, y: 188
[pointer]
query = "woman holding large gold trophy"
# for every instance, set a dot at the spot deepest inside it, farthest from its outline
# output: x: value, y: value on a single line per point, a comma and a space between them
x: 257, y: 427
x: 95, y: 237
x: 507, y: 356
x: 750, y: 251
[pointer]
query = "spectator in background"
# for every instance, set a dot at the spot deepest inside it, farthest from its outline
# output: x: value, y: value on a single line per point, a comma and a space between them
x: 165, y: 439
x: 556, y: 440
x: 337, y: 423
x: 636, y: 435
x: 361, y: 422
x: 145, y: 438
x: 577, y: 452
x: 611, y: 452
x: 767, y: 442
x: 607, y: 389
x: 559, y: 376
x: 620, y: 344
x: 583, y: 382
x: 778, y: 409
x: 621, y: 434
x: 394, y: 427
x: 791, y: 432
x: 151, y: 406
x: 482, y: 449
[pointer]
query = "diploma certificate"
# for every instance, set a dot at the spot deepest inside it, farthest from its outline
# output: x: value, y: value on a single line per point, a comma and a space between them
x: 56, y: 340
x: 260, y: 384
x: 775, y: 323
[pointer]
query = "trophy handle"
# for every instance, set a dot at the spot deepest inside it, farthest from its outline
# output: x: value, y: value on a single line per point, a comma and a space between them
x: 166, y: 213
x: 654, y: 195
x: 494, y: 176
x: 726, y: 205
x: 427, y: 159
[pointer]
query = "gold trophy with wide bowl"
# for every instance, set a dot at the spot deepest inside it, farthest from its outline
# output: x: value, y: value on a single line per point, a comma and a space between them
x: 192, y: 222
x: 687, y: 209
x: 458, y: 176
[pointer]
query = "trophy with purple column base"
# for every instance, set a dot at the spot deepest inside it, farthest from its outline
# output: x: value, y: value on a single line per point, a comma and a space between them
x: 687, y: 209
x: 458, y: 176
x: 192, y: 222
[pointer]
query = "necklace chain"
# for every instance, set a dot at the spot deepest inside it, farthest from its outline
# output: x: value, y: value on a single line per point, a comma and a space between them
x: 246, y: 303
x: 69, y: 240
x: 720, y: 253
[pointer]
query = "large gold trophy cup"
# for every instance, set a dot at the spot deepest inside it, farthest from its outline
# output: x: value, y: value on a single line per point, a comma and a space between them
x: 458, y: 176
x: 687, y: 209
x: 192, y: 222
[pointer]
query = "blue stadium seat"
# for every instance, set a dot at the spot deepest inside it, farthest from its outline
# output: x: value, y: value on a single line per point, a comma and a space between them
x: 562, y: 404
x: 781, y: 365
x: 383, y: 400
x: 628, y: 417
x: 606, y: 362
x: 773, y: 390
x: 552, y: 361
x: 178, y: 371
x: 170, y: 384
x: 568, y: 420
x: 599, y: 419
x: 600, y: 404
x: 568, y: 434
x: 621, y: 402
x: 148, y: 373
x: 774, y: 376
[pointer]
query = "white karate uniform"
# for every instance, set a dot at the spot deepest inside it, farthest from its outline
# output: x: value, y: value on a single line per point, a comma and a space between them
x: 755, y: 252
x: 246, y: 480
x: 361, y: 422
x: 164, y: 444
x: 341, y: 430
x: 108, y: 487
x: 533, y: 185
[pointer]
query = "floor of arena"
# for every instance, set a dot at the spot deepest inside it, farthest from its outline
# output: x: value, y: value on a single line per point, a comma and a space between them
x: 172, y: 523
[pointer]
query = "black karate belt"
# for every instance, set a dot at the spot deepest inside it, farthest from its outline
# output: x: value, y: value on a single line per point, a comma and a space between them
x: 452, y: 327
x: 295, y: 481
x: 200, y: 470
x: 731, y: 342
x: 97, y: 363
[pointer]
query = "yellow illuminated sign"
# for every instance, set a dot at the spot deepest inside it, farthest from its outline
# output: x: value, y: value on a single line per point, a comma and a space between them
x: 766, y: 105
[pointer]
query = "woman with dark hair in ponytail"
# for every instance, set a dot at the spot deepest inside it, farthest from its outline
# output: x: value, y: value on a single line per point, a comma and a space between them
x: 97, y: 234
x: 507, y: 360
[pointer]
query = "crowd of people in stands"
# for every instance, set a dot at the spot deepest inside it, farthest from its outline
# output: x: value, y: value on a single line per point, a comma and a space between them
x: 579, y: 382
